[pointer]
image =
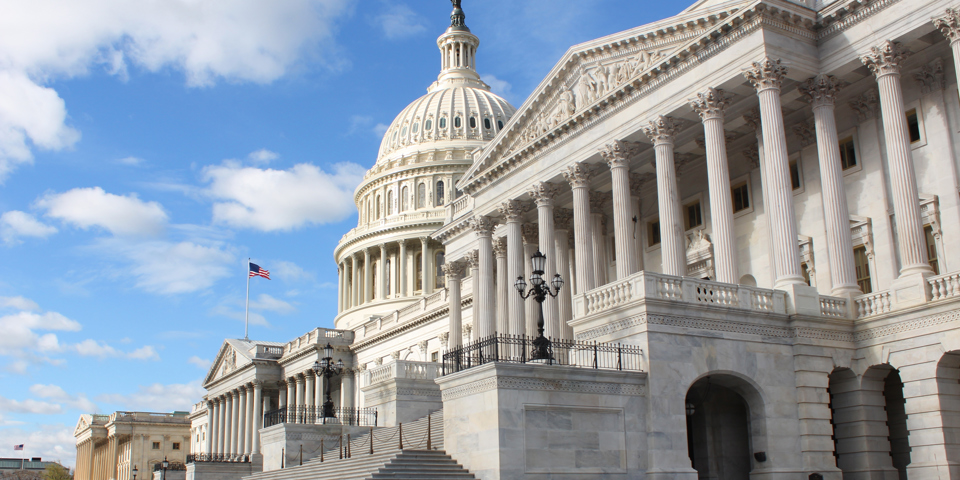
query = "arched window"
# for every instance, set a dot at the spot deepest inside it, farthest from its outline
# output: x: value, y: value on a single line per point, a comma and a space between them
x: 443, y: 122
x: 416, y: 127
x: 428, y: 125
x: 440, y: 193
x: 422, y: 195
x: 456, y: 122
x: 369, y: 210
x: 441, y: 279
x: 377, y: 207
x: 390, y: 202
x: 486, y: 123
x: 404, y: 202
x: 389, y: 274
x: 473, y: 122
x: 499, y: 124
x: 419, y: 261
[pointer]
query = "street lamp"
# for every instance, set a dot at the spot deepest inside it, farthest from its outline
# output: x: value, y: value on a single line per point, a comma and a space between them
x: 327, y: 369
x: 539, y: 291
x: 165, y: 465
x: 134, y: 472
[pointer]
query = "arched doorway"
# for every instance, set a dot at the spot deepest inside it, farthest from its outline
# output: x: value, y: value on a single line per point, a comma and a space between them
x: 948, y: 393
x: 724, y: 417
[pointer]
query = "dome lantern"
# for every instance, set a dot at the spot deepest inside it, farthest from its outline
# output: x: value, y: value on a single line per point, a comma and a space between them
x: 458, y: 53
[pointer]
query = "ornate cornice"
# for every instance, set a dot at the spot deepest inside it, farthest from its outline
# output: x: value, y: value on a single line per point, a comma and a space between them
x: 765, y: 74
x: 886, y: 58
x: 710, y: 104
x: 849, y: 15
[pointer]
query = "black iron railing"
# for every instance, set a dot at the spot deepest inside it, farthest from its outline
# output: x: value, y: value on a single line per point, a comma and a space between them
x: 216, y: 458
x: 363, y: 417
x: 517, y: 349
x: 173, y: 466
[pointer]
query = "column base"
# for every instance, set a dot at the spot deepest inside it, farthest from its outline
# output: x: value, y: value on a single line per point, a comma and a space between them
x: 802, y: 299
x: 911, y: 288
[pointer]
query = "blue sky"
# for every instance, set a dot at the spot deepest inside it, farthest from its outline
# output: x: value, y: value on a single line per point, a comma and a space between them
x: 147, y: 149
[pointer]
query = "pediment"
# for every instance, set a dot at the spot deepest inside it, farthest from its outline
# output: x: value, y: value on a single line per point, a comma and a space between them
x: 592, y: 73
x: 82, y: 424
x: 229, y: 359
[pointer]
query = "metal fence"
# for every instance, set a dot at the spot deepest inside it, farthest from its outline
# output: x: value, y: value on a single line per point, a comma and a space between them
x: 213, y: 458
x: 363, y: 417
x: 518, y: 348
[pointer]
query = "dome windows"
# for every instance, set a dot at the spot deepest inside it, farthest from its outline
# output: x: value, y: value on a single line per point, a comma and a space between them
x: 486, y: 123
x: 403, y: 133
x: 443, y: 122
x: 473, y: 122
x: 428, y: 125
x: 416, y: 127
x: 456, y: 122
x: 499, y: 124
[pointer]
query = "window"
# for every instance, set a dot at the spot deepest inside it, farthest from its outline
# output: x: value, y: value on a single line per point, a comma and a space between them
x: 848, y: 153
x: 156, y: 445
x: 456, y: 122
x: 931, y: 249
x: 805, y: 271
x: 741, y: 197
x: 404, y: 199
x: 394, y: 135
x: 416, y: 127
x: 913, y: 125
x: 795, y: 175
x: 439, y: 193
x: 403, y: 132
x: 421, y: 196
x: 390, y: 202
x: 473, y: 122
x: 377, y: 207
x: 862, y: 264
x: 419, y: 261
x: 435, y: 357
x: 389, y: 275
x: 654, y: 235
x: 499, y: 124
x: 443, y: 122
x: 486, y: 123
x: 694, y: 215
x: 441, y: 279
x: 176, y: 446
x: 428, y: 124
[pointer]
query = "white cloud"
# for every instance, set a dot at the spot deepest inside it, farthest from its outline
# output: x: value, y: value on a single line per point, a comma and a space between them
x: 263, y: 156
x: 158, y: 397
x: 290, y: 272
x: 20, y: 336
x: 119, y: 214
x: 271, y: 200
x: 57, y: 394
x: 500, y: 87
x: 201, y: 363
x: 16, y: 224
x: 170, y: 268
x: 380, y: 129
x: 19, y: 303
x: 29, y: 406
x: 145, y: 352
x: 131, y: 161
x: 271, y: 304
x: 52, y: 441
x: 93, y: 348
x: 399, y: 21
x: 206, y: 40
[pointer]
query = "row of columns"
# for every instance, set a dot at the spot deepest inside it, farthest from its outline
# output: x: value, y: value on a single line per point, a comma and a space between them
x: 234, y: 420
x: 97, y: 462
x: 356, y: 274
x: 309, y: 390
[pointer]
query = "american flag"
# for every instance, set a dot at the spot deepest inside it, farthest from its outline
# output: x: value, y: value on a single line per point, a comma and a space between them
x: 18, y: 447
x: 256, y: 271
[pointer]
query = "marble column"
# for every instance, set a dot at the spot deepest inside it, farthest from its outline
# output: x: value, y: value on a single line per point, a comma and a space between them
x: 402, y: 263
x: 638, y: 184
x: 512, y: 212
x: 822, y: 92
x: 710, y: 105
x: 949, y: 25
x: 355, y: 280
x: 597, y: 227
x: 221, y: 425
x: 367, y: 276
x: 228, y: 424
x: 485, y: 303
x: 563, y: 218
x: 208, y: 441
x: 242, y: 420
x: 453, y: 271
x: 235, y: 423
x: 112, y: 461
x: 531, y: 244
x: 543, y: 194
x: 318, y: 394
x: 673, y: 250
x: 885, y: 62
x: 291, y: 394
x: 503, y: 286
x: 300, y: 397
x: 766, y: 77
x: 257, y: 414
x: 425, y: 266
x: 309, y: 390
x: 347, y: 389
x: 282, y: 394
x: 382, y: 273
x: 578, y: 175
x: 340, y: 275
x: 248, y: 426
x: 615, y: 154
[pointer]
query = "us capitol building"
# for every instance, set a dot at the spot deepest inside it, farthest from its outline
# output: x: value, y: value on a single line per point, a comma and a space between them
x: 748, y: 210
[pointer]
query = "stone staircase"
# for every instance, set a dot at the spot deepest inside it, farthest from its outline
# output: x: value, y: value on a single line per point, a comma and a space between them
x: 389, y: 461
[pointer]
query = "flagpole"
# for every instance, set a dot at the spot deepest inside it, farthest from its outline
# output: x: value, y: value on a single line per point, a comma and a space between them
x: 246, y: 316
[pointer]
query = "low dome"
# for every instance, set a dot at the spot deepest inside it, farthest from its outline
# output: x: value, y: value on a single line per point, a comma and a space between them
x: 456, y: 113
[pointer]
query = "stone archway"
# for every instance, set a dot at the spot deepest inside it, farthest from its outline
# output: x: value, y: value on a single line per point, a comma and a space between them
x: 725, y: 427
x: 948, y: 394
x: 885, y: 416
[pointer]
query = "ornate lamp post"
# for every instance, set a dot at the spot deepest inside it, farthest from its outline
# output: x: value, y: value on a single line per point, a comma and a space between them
x: 539, y: 291
x: 327, y: 369
x: 165, y: 465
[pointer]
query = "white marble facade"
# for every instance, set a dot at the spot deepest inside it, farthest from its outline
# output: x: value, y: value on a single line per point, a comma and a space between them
x: 761, y: 194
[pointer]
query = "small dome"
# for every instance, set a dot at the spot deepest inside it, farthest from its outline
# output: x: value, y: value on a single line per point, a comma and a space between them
x: 453, y: 114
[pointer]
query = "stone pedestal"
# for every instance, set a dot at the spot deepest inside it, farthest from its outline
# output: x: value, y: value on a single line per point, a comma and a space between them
x: 910, y: 289
x: 802, y: 299
x: 402, y: 400
x: 511, y: 421
x: 285, y: 439
x: 221, y: 470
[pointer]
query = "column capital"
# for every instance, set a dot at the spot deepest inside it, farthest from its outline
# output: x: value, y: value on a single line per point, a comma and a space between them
x: 444, y: 338
x: 562, y: 218
x: 543, y: 193
x: 752, y: 154
x: 886, y: 58
x: 597, y: 201
x: 617, y: 153
x: 710, y: 103
x: 866, y: 104
x: 822, y: 89
x: 500, y: 247
x: 663, y: 130
x: 530, y: 233
x: 472, y: 258
x: 949, y: 24
x: 512, y: 210
x: 578, y: 174
x: 765, y: 74
x: 300, y: 378
x: 483, y: 225
x: 453, y: 270
x: 931, y: 76
x: 425, y: 240
x: 806, y: 132
x: 257, y: 384
x: 383, y: 247
x: 639, y: 181
x: 752, y: 117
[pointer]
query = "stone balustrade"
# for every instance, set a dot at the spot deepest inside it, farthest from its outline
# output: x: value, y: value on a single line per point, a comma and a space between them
x: 833, y: 307
x: 424, y: 305
x: 319, y: 336
x: 402, y: 369
x: 459, y: 207
x: 647, y: 285
x: 944, y: 286
x: 399, y: 218
x: 873, y: 304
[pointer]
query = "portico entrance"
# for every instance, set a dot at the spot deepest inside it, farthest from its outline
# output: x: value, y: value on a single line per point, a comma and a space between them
x: 719, y: 428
